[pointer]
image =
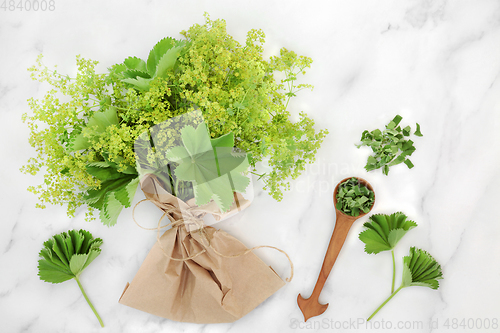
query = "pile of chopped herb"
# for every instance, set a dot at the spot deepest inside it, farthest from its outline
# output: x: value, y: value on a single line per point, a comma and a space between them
x: 390, y: 147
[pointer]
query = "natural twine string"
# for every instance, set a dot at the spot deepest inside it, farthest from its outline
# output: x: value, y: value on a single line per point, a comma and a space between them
x: 191, y: 220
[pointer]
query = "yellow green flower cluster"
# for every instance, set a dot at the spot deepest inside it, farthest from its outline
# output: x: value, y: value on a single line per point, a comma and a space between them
x: 231, y: 83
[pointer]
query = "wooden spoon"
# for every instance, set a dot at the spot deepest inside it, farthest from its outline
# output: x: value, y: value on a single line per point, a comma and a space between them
x: 311, y: 307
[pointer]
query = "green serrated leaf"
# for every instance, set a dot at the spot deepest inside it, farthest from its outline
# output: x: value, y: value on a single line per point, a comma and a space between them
x: 422, y: 268
x: 57, y: 263
x: 373, y: 243
x: 81, y: 247
x: 96, y: 125
x: 384, y: 231
x: 395, y: 235
x: 95, y: 244
x: 110, y: 210
x: 87, y: 240
x: 167, y: 61
x: 77, y: 240
x: 117, y: 68
x: 103, y: 173
x: 59, y: 248
x: 96, y: 197
x: 134, y: 74
x: 136, y: 64
x: 94, y: 253
x: 102, y: 119
x: 139, y: 83
x: 157, y: 52
x: 125, y: 193
x: 406, y: 280
x: 99, y: 164
x: 77, y: 262
x: 69, y: 246
x: 77, y: 141
x: 52, y: 273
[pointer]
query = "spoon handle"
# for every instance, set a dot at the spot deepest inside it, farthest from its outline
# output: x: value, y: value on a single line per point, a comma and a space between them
x: 342, y: 225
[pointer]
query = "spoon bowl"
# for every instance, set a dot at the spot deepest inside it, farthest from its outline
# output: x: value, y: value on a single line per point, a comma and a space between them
x: 335, y: 191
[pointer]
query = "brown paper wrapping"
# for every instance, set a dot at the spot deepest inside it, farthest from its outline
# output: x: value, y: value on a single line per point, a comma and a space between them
x: 208, y: 288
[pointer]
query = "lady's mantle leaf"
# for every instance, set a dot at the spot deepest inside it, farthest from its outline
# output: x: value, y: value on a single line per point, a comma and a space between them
x: 421, y: 269
x: 157, y: 52
x: 77, y: 262
x: 117, y: 189
x: 162, y: 58
x: 66, y: 255
x: 139, y: 82
x: 135, y: 63
x: 384, y: 231
x: 168, y: 60
x: 96, y: 125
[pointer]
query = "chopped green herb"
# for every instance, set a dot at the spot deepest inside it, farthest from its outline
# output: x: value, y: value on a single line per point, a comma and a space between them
x: 354, y: 198
x: 417, y: 131
x: 390, y: 147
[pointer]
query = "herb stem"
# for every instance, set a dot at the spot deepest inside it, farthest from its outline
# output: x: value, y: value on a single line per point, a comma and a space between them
x: 88, y: 301
x: 385, y: 302
x: 393, y: 271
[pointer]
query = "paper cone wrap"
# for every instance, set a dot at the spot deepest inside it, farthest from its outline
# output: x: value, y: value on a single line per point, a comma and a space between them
x: 209, y: 287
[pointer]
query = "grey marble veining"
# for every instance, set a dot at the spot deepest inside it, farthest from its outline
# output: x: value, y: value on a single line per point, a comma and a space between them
x: 433, y: 62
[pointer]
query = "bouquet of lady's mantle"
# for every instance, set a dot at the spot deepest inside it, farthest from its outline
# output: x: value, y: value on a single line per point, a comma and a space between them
x: 189, y: 125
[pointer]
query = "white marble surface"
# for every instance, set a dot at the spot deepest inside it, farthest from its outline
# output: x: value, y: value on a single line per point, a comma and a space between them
x: 433, y: 62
